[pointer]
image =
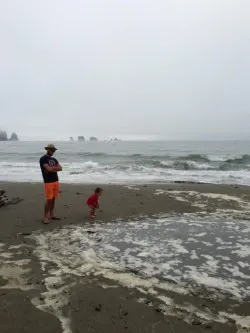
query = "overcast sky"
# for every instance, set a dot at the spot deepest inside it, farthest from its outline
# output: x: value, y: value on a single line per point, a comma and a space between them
x: 173, y: 69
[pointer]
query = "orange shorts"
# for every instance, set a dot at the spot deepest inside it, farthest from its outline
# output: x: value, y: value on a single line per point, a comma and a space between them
x: 51, y: 190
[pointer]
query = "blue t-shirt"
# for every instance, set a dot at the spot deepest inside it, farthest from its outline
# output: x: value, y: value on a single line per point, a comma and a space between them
x: 48, y: 177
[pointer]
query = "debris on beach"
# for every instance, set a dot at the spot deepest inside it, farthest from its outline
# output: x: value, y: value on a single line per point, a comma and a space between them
x: 4, y: 200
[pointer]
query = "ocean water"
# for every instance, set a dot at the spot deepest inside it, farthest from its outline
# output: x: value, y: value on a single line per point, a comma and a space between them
x: 131, y: 162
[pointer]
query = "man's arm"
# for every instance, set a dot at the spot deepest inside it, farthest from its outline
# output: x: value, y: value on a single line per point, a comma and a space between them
x: 52, y: 168
x: 59, y: 167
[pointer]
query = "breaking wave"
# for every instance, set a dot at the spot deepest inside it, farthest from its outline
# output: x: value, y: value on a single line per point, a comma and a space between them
x: 200, y: 162
x: 195, y: 158
x: 185, y: 162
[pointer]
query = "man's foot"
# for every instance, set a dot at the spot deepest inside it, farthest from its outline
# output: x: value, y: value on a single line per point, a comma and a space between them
x: 54, y: 218
x: 45, y: 221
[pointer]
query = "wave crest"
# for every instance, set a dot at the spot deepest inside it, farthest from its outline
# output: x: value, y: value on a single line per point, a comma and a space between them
x: 195, y: 158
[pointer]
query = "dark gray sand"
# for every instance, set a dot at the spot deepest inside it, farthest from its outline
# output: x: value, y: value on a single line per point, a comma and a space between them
x: 45, y: 289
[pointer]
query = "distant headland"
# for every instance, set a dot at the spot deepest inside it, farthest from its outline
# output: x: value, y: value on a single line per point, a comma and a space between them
x: 4, y: 136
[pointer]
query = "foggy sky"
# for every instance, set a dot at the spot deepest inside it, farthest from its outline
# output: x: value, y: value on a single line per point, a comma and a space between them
x: 167, y: 69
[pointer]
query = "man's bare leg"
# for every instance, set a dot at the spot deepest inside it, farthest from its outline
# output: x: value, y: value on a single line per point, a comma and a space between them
x: 51, y: 213
x: 47, y: 209
x: 52, y: 207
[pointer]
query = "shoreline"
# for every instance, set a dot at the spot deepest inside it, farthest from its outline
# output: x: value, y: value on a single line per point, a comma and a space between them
x: 118, y: 201
x: 37, y: 281
x: 133, y: 183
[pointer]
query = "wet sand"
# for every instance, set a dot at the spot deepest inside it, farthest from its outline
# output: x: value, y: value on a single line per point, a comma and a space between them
x: 93, y: 303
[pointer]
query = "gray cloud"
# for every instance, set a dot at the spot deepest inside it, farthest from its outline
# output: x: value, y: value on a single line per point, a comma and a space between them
x: 161, y: 69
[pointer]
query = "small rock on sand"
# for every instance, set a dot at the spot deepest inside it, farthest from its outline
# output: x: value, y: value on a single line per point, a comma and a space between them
x: 158, y: 310
x: 196, y: 322
x: 98, y: 308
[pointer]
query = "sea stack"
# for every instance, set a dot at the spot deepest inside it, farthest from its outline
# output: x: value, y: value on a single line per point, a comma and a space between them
x: 115, y: 139
x: 14, y: 137
x: 92, y: 138
x: 3, y: 136
x: 81, y: 138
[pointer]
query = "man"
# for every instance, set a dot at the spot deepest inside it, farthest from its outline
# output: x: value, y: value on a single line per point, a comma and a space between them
x: 49, y: 167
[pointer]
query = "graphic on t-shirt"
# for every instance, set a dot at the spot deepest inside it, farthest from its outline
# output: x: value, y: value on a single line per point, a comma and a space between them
x: 52, y: 163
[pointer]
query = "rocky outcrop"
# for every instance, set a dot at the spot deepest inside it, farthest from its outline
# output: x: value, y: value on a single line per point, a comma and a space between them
x: 3, y: 136
x: 81, y: 138
x: 14, y: 137
x: 92, y: 138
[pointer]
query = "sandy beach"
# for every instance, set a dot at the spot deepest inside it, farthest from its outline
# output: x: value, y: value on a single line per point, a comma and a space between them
x: 54, y: 277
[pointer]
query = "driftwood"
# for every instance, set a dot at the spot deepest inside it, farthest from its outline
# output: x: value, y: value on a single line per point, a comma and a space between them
x: 3, y: 198
x: 5, y: 201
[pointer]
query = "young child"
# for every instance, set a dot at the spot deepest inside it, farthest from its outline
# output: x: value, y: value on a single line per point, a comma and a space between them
x: 93, y: 202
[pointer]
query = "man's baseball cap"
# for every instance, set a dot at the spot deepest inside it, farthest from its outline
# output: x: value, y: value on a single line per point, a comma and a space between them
x: 51, y: 147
